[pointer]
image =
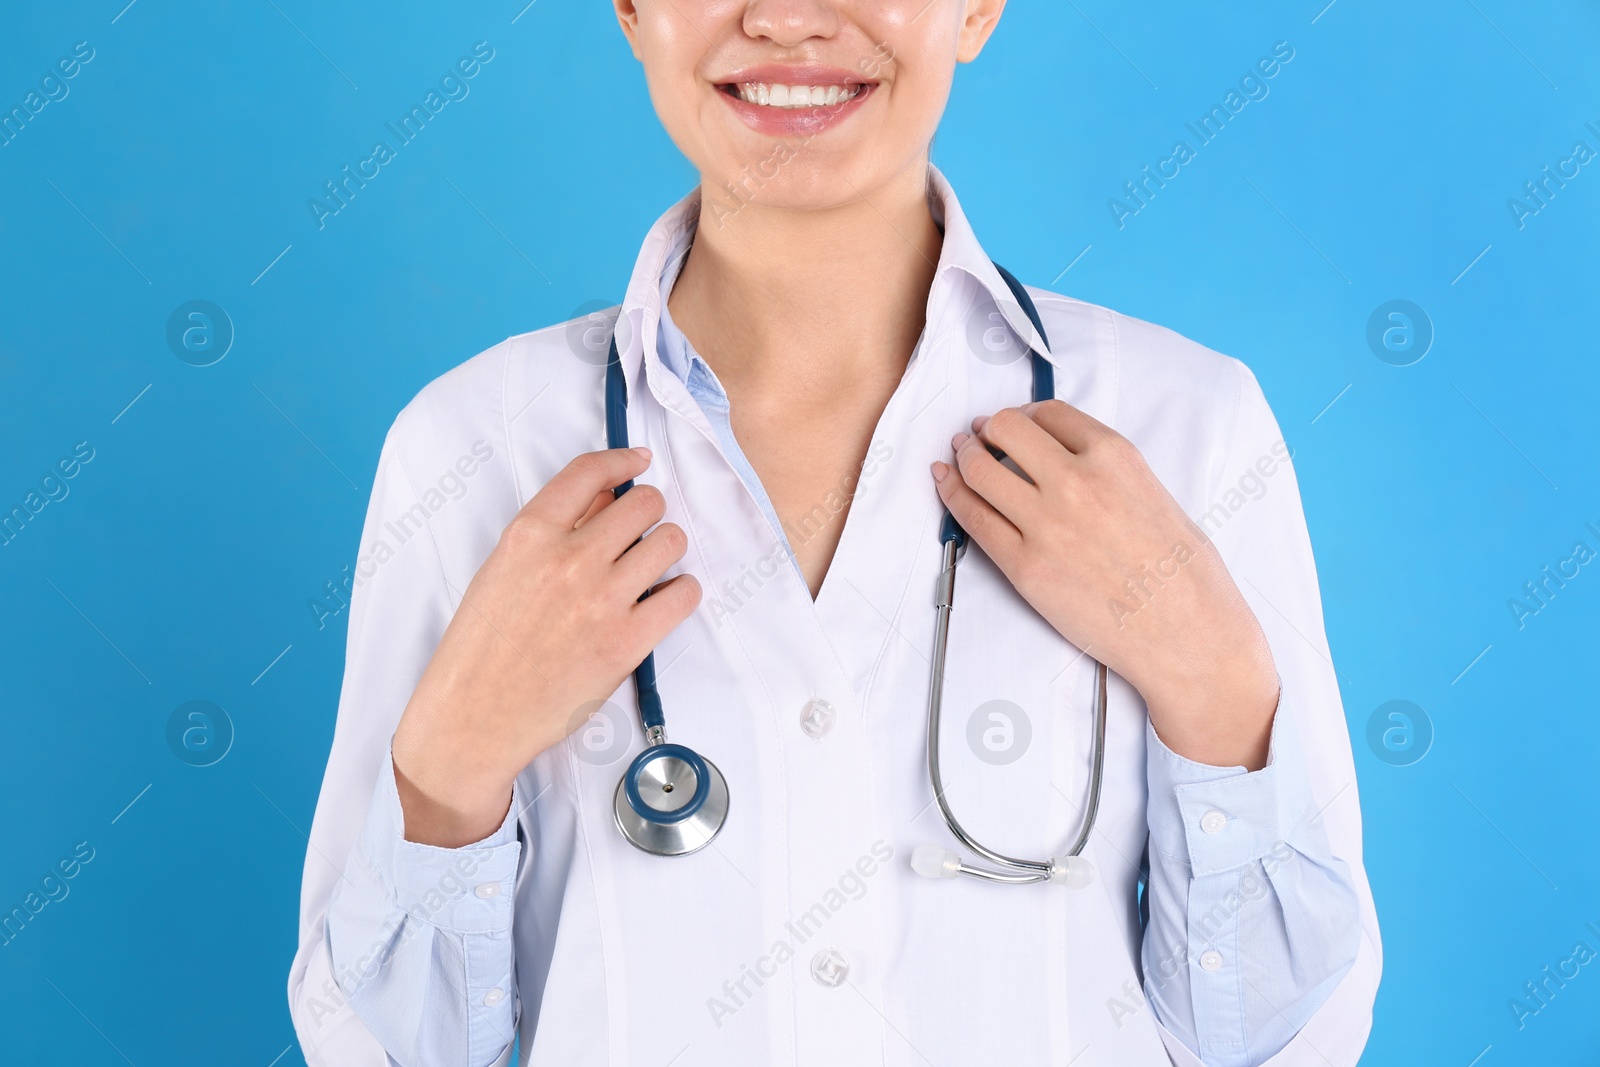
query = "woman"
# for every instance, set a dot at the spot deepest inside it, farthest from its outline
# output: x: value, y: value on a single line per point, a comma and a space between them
x: 817, y: 357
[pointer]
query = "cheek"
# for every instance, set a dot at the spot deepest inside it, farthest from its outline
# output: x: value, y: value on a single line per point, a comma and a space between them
x: 671, y: 44
x: 916, y: 50
x: 916, y: 103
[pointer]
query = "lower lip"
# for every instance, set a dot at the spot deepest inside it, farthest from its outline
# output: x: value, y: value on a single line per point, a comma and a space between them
x: 795, y: 121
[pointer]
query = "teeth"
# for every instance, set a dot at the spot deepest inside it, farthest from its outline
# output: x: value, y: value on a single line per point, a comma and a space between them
x: 765, y: 94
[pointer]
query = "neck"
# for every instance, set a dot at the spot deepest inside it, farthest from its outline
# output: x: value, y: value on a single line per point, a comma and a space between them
x: 826, y: 299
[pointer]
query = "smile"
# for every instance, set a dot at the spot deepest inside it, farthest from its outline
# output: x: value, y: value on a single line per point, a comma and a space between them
x: 768, y: 94
x: 795, y: 102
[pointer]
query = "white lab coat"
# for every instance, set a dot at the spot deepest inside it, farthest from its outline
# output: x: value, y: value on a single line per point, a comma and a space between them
x: 610, y: 956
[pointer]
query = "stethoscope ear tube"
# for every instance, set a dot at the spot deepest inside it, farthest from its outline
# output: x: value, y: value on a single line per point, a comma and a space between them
x: 933, y: 861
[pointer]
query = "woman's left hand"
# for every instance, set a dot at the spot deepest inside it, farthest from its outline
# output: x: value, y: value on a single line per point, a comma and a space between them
x: 1100, y: 549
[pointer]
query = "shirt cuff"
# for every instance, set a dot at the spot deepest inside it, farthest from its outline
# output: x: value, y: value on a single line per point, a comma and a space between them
x: 466, y: 890
x: 1220, y: 818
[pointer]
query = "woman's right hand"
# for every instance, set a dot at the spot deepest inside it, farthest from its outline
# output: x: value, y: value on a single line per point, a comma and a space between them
x: 551, y: 622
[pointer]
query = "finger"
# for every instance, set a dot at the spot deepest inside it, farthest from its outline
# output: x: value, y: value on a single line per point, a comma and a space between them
x: 643, y: 565
x: 601, y: 499
x: 994, y: 533
x: 1076, y: 430
x: 624, y: 521
x: 1020, y: 437
x: 996, y: 483
x: 568, y: 496
x: 1081, y: 432
x: 667, y: 605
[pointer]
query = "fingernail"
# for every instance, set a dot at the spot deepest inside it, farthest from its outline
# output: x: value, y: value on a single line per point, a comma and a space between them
x: 940, y: 471
x: 958, y: 440
x: 978, y: 423
x: 644, y: 453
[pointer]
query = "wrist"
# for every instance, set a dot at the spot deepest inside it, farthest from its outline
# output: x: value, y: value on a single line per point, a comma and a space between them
x: 444, y: 802
x: 448, y: 822
x: 1220, y: 714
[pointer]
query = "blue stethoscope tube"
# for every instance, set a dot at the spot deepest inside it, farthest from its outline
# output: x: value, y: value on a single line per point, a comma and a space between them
x: 647, y: 805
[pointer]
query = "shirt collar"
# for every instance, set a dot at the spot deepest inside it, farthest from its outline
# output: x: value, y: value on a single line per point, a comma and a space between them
x: 639, y: 322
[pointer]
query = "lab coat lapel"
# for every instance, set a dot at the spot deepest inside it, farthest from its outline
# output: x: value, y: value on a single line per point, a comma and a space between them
x: 868, y: 602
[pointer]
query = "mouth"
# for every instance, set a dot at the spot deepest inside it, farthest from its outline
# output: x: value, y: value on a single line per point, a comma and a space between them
x: 795, y: 101
x: 795, y: 97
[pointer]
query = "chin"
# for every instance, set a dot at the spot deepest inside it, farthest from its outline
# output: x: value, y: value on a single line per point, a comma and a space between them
x: 795, y: 178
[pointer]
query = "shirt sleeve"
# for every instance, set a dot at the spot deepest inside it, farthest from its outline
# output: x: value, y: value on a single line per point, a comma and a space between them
x: 1251, y: 917
x: 405, y: 952
x: 1261, y: 944
x: 420, y: 938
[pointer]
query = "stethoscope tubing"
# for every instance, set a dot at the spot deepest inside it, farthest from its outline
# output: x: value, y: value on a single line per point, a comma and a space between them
x: 651, y: 715
x: 1016, y: 871
x: 953, y: 540
x: 657, y: 831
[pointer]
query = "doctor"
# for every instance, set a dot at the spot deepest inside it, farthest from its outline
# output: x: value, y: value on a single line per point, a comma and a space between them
x: 818, y: 356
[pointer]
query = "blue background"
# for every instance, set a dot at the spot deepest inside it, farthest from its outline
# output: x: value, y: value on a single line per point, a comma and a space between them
x: 182, y: 564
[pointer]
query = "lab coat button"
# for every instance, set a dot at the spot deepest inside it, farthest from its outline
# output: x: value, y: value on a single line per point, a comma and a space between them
x: 487, y: 890
x: 494, y: 996
x: 1211, y: 960
x: 817, y: 718
x: 829, y: 968
x: 1212, y: 822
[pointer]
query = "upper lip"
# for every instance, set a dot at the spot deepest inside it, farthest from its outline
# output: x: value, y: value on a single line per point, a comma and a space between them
x: 795, y: 74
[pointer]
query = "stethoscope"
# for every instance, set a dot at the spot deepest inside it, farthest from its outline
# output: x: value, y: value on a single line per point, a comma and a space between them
x: 672, y: 801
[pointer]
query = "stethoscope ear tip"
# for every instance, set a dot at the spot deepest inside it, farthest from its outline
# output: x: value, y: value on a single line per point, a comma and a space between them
x: 1074, y: 872
x: 931, y: 861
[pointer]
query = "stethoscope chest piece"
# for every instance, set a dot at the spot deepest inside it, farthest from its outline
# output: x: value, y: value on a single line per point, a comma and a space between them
x: 671, y: 801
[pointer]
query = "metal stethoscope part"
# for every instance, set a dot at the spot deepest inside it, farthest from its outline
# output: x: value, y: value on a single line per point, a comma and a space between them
x: 671, y: 801
x: 1070, y: 869
x: 932, y: 861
